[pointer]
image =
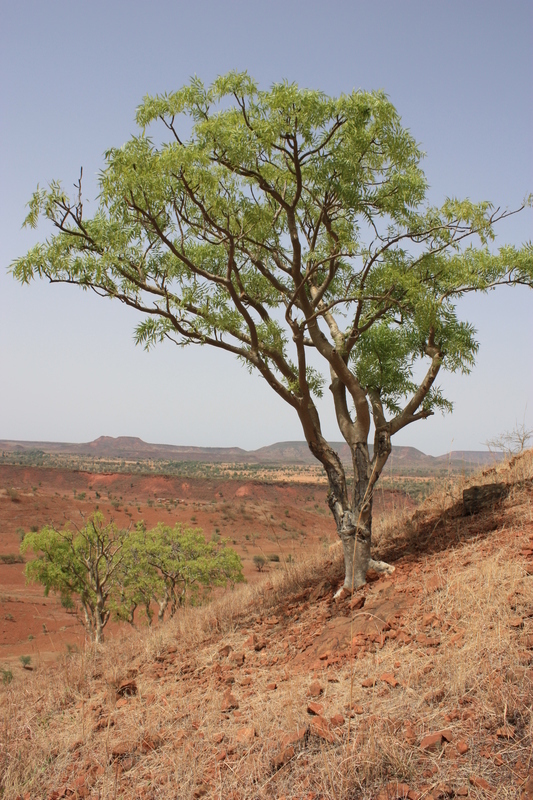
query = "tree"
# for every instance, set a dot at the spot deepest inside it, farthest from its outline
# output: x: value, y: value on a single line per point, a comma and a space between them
x: 291, y: 230
x: 81, y: 562
x: 177, y: 562
x: 511, y: 442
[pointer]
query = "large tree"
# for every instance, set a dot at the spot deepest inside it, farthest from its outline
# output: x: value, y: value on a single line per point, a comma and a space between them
x: 292, y: 230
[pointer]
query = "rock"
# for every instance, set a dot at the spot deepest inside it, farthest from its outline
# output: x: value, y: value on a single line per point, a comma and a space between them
x: 294, y: 738
x: 127, y: 689
x: 283, y: 757
x: 433, y: 740
x: 225, y: 651
x: 398, y: 790
x: 251, y: 641
x: 368, y: 683
x: 476, y: 498
x: 462, y: 791
x: 480, y: 783
x: 260, y: 645
x: 271, y: 686
x: 389, y: 678
x: 245, y: 735
x: 218, y: 737
x: 238, y: 659
x: 320, y: 727
x: 229, y: 701
x: 337, y: 720
x: 462, y: 748
x: 315, y: 689
x: 357, y: 602
x: 506, y: 732
x: 315, y: 708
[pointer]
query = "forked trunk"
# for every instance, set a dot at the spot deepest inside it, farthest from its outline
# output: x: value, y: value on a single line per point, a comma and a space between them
x: 353, y: 515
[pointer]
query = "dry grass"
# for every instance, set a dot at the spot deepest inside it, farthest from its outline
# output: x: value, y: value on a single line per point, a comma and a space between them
x: 463, y: 582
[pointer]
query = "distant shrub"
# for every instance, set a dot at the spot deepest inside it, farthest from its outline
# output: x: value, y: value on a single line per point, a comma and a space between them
x: 259, y: 562
x: 11, y: 558
x: 7, y: 675
x: 13, y: 495
x: 273, y: 557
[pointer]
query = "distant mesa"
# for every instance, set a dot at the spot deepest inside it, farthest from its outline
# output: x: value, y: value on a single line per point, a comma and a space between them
x: 295, y: 453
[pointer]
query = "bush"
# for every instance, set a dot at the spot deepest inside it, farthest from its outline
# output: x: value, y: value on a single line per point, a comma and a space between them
x: 273, y: 557
x: 259, y: 562
x: 11, y: 558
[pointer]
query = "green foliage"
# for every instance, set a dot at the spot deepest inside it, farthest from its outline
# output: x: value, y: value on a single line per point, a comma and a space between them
x: 276, y: 223
x: 259, y: 562
x: 25, y: 661
x: 7, y: 675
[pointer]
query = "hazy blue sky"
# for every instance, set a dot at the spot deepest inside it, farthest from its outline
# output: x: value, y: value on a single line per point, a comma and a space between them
x: 71, y: 76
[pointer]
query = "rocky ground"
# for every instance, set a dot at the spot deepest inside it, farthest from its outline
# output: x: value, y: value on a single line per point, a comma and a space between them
x: 419, y: 686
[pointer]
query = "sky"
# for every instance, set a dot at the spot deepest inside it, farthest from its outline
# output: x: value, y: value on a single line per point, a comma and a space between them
x: 72, y: 73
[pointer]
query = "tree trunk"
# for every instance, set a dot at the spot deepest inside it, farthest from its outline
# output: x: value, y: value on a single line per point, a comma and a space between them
x: 353, y: 517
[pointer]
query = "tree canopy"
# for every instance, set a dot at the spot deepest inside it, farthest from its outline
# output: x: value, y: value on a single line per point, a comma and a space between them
x: 292, y: 230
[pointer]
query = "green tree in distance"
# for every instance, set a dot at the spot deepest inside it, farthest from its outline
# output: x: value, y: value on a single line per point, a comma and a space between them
x: 82, y: 562
x: 177, y: 562
x: 292, y: 230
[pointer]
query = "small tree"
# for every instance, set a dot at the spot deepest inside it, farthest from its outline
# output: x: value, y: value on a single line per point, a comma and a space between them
x: 176, y: 562
x: 291, y: 230
x: 511, y: 442
x: 82, y: 562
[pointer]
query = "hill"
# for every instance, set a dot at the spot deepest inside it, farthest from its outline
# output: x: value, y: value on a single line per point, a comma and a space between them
x: 419, y: 687
x: 404, y: 459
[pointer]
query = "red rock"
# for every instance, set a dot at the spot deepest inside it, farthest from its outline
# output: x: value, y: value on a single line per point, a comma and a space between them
x: 368, y: 683
x: 271, y: 686
x: 356, y: 709
x: 218, y: 737
x: 516, y: 622
x: 315, y: 708
x: 462, y: 791
x: 127, y: 689
x: 506, y: 732
x: 409, y: 735
x: 283, y: 757
x: 389, y: 678
x: 260, y: 645
x: 245, y: 735
x: 229, y: 701
x: 251, y: 641
x: 320, y: 727
x: 431, y: 741
x: 272, y: 621
x: 462, y: 748
x: 238, y: 659
x: 398, y: 790
x: 480, y: 783
x: 337, y: 720
x: 357, y: 602
x: 221, y: 755
x: 315, y: 689
x: 225, y: 651
x: 294, y: 738
x: 412, y: 794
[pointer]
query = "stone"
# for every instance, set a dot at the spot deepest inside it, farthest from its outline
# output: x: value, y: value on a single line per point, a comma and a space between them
x: 389, y: 678
x: 337, y: 720
x: 271, y: 686
x: 127, y: 689
x: 229, y: 701
x: 477, y: 498
x: 294, y: 738
x: 505, y: 732
x: 218, y: 737
x: 462, y: 791
x: 398, y: 790
x: 225, y: 651
x: 356, y: 603
x: 260, y: 645
x: 462, y: 748
x: 320, y: 727
x: 432, y: 740
x: 238, y: 659
x: 317, y: 709
x: 245, y: 735
x: 480, y: 783
x: 315, y: 689
x: 368, y: 683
